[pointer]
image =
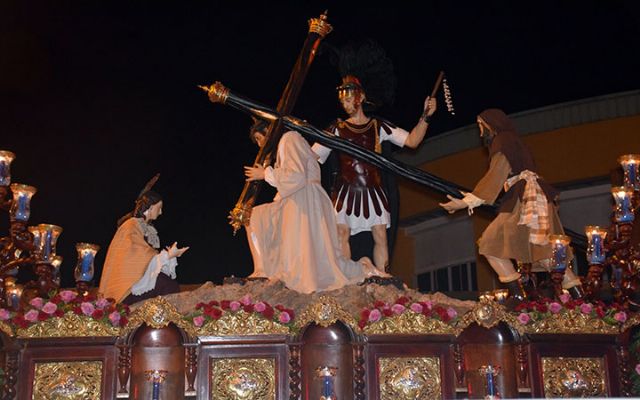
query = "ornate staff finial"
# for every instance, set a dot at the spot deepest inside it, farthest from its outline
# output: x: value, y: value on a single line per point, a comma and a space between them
x: 320, y: 25
x: 217, y: 92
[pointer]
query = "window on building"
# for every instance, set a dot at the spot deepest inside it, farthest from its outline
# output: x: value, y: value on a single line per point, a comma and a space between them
x: 453, y: 278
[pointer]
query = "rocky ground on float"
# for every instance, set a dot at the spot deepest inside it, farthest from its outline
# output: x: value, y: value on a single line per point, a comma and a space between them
x: 351, y: 298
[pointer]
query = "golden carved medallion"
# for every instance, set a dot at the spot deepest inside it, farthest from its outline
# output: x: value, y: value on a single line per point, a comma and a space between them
x: 573, y: 377
x: 243, y: 379
x: 74, y: 380
x: 409, y: 378
x: 157, y: 313
x: 241, y: 323
x: 488, y: 313
x: 325, y: 312
x: 410, y: 323
x: 69, y: 325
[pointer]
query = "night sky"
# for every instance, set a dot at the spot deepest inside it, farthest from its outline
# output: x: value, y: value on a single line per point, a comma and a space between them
x: 97, y: 97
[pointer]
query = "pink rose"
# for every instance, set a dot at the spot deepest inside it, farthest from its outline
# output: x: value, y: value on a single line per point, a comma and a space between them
x: 284, y: 317
x: 564, y: 298
x: 68, y: 295
x: 102, y: 303
x: 37, y: 302
x: 49, y: 308
x: 555, y: 307
x: 114, y: 317
x: 620, y: 316
x: 428, y: 304
x: 260, y: 306
x: 198, y: 321
x: 586, y: 308
x: 245, y: 300
x: 398, y: 309
x: 524, y: 318
x: 416, y: 307
x: 638, y: 369
x: 235, y: 305
x: 452, y: 313
x: 375, y: 315
x: 4, y: 314
x: 31, y: 315
x: 87, y: 308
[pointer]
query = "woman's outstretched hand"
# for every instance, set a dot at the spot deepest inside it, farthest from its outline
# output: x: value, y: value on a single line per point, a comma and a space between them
x: 174, y: 251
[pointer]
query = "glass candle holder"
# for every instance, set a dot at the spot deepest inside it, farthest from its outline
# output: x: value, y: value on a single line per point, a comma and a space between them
x: 21, y: 205
x: 48, y: 237
x: 622, y: 196
x: 487, y: 297
x: 630, y: 166
x: 327, y: 377
x: 6, y: 157
x: 490, y: 373
x: 37, y: 237
x: 559, y: 251
x: 56, y: 262
x: 595, y: 248
x: 13, y: 293
x: 501, y: 295
x: 84, y: 267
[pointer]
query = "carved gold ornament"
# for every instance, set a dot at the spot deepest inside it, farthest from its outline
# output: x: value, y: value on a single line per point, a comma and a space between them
x: 6, y: 329
x: 571, y: 321
x: 573, y: 377
x: 324, y: 312
x: 320, y: 25
x: 409, y: 378
x: 634, y: 319
x: 410, y: 323
x: 241, y: 323
x: 157, y: 313
x: 69, y: 325
x: 488, y: 313
x: 75, y: 380
x: 243, y: 379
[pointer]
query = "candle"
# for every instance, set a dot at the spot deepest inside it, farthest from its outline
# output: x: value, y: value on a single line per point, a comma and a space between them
x: 559, y: 252
x: 622, y: 196
x: 630, y: 164
x: 156, y: 377
x: 595, y: 248
x: 327, y: 374
x: 84, y: 267
x: 6, y: 157
x: 21, y: 205
x: 490, y: 372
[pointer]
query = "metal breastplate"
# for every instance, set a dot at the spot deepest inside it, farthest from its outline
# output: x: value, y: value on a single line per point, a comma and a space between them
x: 353, y: 171
x: 359, y: 181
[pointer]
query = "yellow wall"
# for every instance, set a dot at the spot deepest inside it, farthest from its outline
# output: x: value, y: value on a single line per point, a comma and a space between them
x: 564, y: 155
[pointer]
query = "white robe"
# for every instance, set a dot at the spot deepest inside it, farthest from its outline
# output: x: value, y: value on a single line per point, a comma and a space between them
x: 295, y: 238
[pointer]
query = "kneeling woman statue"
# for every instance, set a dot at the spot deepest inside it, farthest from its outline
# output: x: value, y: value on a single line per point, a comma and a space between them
x: 135, y: 269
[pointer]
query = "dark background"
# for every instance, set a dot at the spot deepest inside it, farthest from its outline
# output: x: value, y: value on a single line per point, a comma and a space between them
x: 96, y: 97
